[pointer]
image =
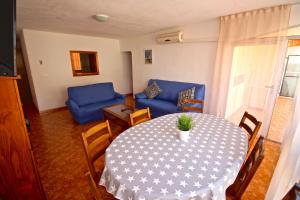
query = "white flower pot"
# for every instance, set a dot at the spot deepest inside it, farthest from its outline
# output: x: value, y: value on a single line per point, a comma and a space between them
x: 184, y: 135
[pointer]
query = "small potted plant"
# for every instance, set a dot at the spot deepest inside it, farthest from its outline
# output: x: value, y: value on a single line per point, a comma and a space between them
x: 184, y: 124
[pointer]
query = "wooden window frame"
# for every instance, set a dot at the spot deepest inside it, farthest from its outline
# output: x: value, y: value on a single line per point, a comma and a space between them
x: 84, y: 73
x: 294, y: 42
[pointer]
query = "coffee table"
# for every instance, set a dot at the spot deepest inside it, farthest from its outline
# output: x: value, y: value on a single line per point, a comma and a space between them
x: 119, y: 114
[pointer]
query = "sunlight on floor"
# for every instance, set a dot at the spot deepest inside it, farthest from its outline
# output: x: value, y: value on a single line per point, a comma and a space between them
x: 280, y: 117
x: 237, y: 116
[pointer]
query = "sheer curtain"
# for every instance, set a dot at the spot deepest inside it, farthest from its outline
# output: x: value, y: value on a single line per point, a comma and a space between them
x: 287, y: 171
x: 250, y: 55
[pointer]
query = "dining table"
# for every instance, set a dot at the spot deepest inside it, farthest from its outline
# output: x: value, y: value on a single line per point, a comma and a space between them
x: 149, y: 161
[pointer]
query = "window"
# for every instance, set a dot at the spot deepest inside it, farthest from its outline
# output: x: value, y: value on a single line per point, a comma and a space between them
x: 84, y: 63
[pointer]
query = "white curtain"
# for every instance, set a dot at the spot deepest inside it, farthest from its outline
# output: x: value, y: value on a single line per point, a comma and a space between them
x: 250, y: 55
x: 287, y: 171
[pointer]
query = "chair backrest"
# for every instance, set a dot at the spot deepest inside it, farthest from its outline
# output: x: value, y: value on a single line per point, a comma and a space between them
x: 236, y: 190
x: 186, y: 106
x: 140, y: 116
x: 93, y: 186
x: 96, y: 144
x: 252, y: 132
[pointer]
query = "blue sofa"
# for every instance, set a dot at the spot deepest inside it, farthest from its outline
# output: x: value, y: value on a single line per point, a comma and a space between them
x: 166, y: 102
x: 86, y: 102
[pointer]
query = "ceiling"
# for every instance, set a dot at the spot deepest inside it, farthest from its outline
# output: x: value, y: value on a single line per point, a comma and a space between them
x: 127, y: 17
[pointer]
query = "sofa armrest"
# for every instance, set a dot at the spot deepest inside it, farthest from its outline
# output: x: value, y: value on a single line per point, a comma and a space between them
x: 120, y: 96
x: 140, y: 96
x: 72, y: 105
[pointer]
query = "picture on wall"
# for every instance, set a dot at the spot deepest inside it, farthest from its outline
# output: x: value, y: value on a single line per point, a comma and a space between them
x: 148, y: 56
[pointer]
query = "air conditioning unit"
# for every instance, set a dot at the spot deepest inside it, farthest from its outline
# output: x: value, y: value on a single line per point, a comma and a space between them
x: 172, y: 37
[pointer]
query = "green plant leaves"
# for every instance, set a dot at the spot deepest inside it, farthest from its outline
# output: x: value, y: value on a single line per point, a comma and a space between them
x: 184, y: 122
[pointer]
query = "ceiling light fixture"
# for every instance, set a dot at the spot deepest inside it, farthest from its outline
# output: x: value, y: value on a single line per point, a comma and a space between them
x: 101, y: 17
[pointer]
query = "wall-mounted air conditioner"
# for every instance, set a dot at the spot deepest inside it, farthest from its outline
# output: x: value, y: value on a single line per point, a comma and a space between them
x: 172, y: 37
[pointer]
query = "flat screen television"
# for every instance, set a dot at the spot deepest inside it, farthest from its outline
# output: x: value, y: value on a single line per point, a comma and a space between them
x: 8, y: 38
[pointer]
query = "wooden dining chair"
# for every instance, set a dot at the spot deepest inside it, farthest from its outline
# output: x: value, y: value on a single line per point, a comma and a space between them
x: 93, y: 186
x: 252, y: 132
x: 248, y: 169
x: 186, y: 106
x: 95, y: 141
x: 140, y: 116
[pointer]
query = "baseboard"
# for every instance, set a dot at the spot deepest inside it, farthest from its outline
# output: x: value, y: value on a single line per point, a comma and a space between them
x: 53, y: 110
x: 270, y: 140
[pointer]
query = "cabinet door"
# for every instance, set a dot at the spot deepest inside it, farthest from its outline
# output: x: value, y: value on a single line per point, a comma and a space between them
x: 18, y: 176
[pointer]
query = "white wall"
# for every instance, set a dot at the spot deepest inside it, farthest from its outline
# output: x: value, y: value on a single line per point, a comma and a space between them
x: 127, y: 63
x: 191, y: 61
x: 295, y: 16
x: 49, y: 81
x: 295, y: 50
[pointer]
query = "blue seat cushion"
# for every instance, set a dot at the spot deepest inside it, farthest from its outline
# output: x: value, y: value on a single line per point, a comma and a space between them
x: 96, y: 107
x: 166, y: 106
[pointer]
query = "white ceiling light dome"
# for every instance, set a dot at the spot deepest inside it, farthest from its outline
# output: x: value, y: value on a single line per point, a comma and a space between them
x: 101, y: 17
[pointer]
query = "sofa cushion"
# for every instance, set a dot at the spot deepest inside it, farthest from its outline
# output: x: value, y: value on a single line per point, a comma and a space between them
x: 95, y: 107
x: 172, y: 88
x: 140, y: 95
x: 185, y: 95
x: 166, y: 106
x: 152, y: 90
x: 89, y: 94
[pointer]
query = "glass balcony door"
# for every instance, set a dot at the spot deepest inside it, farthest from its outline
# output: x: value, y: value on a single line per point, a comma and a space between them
x: 291, y: 76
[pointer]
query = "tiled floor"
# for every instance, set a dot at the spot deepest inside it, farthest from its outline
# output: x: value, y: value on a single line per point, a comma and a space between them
x: 281, y: 115
x: 59, y: 156
x: 60, y: 159
x: 258, y: 186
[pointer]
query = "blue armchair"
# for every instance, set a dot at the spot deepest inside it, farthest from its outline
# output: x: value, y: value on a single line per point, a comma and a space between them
x: 86, y: 102
x: 166, y: 102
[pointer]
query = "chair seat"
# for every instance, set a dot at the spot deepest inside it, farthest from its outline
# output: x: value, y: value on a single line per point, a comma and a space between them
x: 95, y: 106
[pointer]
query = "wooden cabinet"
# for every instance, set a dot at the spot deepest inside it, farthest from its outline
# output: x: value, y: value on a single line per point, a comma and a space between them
x: 18, y: 176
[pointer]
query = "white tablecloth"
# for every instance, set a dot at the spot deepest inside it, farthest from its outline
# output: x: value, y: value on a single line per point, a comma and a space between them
x: 148, y: 161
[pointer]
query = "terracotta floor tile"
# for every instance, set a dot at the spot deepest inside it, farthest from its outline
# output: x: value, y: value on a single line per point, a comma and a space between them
x: 259, y: 184
x: 281, y: 116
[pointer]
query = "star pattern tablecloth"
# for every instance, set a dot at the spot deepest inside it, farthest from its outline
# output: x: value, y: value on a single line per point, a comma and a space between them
x: 148, y: 161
